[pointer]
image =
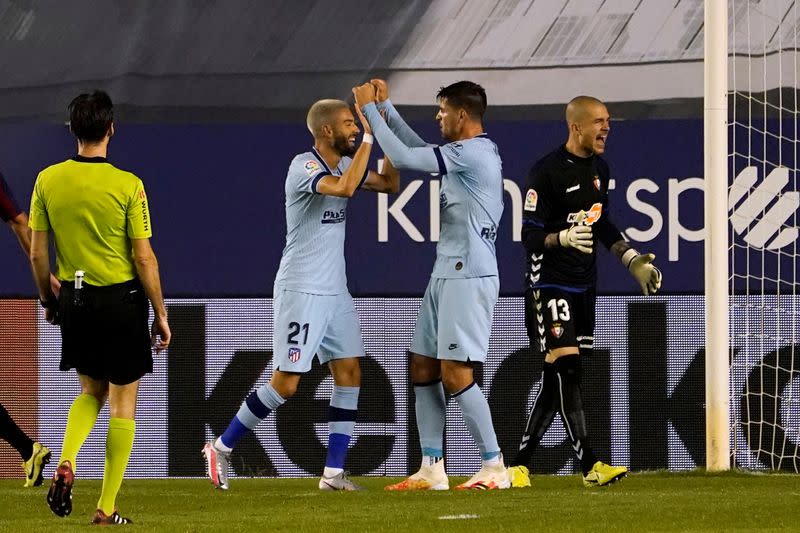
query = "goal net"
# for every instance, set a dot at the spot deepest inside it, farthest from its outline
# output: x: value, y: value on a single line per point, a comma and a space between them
x: 763, y: 206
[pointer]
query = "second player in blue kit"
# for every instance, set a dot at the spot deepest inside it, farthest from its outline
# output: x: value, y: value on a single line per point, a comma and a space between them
x: 313, y: 311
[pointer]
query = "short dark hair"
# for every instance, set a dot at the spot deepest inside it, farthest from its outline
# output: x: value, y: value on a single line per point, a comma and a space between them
x: 467, y: 95
x: 90, y: 116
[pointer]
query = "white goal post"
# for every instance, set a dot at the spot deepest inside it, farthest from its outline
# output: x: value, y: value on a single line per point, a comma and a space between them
x: 715, y: 117
x: 752, y: 207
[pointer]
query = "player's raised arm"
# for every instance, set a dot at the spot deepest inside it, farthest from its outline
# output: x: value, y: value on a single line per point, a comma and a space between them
x: 350, y: 180
x: 415, y: 158
x: 393, y: 119
x: 387, y: 179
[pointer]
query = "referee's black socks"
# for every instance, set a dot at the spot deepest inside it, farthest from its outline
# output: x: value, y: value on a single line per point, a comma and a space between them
x: 540, y: 417
x: 570, y: 405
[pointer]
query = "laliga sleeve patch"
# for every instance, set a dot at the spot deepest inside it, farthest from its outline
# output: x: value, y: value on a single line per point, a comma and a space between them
x: 531, y: 199
x: 312, y: 167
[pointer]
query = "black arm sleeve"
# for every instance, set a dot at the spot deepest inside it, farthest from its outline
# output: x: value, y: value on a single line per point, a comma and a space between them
x: 533, y: 238
x: 535, y: 211
x: 607, y: 232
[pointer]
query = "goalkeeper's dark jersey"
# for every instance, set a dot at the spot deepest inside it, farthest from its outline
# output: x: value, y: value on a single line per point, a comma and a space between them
x: 558, y: 188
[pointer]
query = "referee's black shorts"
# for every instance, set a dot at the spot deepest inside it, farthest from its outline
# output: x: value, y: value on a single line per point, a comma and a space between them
x: 557, y: 318
x: 106, y: 336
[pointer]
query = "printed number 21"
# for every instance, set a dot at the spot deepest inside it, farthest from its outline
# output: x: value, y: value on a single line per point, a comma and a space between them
x: 294, y: 331
x: 554, y: 304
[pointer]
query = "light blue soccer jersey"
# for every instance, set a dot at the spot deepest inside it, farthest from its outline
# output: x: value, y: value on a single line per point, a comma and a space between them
x: 471, y: 194
x: 313, y: 258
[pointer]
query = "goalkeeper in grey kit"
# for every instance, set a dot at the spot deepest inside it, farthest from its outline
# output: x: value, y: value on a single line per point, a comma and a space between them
x: 565, y: 215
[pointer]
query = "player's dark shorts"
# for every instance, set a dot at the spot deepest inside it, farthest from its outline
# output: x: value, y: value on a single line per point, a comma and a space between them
x: 556, y: 318
x: 105, y: 335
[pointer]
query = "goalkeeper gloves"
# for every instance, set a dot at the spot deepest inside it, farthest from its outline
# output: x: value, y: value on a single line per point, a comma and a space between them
x: 641, y: 268
x: 578, y: 237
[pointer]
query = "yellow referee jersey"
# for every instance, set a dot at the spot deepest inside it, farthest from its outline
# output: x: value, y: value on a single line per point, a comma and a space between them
x: 94, y: 210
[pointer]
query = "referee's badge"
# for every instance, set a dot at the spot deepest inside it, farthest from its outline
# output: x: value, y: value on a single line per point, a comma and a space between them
x: 557, y: 330
x: 531, y: 199
x: 294, y: 354
x: 312, y: 167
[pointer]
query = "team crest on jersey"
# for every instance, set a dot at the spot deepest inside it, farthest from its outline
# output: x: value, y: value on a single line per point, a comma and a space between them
x: 596, y: 182
x: 557, y: 330
x: 311, y: 167
x: 294, y: 354
x: 531, y: 199
x: 587, y: 218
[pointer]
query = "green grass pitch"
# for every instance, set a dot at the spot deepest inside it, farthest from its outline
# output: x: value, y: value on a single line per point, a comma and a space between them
x: 693, y: 501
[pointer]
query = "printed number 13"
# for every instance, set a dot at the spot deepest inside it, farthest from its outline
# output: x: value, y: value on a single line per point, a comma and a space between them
x: 554, y: 306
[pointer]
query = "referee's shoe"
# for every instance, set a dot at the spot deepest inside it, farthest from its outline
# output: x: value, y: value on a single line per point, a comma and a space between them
x: 602, y: 474
x: 59, y: 497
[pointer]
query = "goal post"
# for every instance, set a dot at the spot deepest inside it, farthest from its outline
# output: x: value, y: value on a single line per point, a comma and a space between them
x: 715, y: 117
x: 754, y: 207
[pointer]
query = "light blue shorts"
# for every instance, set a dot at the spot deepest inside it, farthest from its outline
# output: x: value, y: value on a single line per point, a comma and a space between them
x: 455, y: 318
x: 313, y: 324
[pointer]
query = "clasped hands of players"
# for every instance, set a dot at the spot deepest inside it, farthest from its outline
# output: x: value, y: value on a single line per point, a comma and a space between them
x: 375, y: 90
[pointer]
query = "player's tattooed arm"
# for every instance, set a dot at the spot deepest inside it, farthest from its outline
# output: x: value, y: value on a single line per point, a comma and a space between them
x: 619, y: 248
x: 551, y: 241
x: 640, y: 266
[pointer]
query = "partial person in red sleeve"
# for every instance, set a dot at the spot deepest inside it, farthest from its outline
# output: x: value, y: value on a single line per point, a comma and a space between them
x: 34, y: 455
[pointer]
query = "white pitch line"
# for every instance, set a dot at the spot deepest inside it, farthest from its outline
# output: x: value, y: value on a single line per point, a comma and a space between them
x: 458, y: 517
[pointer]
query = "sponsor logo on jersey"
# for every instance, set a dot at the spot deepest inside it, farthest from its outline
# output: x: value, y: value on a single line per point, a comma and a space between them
x: 333, y: 217
x: 587, y: 218
x: 557, y: 330
x: 442, y: 200
x: 312, y: 167
x: 452, y: 346
x: 489, y: 232
x: 574, y: 188
x: 531, y: 199
x: 596, y: 182
x: 294, y: 354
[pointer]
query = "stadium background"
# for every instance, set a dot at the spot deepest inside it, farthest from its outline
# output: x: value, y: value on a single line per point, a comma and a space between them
x: 211, y: 100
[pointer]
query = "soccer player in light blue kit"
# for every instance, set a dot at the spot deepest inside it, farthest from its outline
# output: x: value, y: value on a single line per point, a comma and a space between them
x: 313, y: 311
x: 454, y: 321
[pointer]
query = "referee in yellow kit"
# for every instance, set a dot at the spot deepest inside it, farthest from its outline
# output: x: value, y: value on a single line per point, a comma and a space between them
x: 101, y: 225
